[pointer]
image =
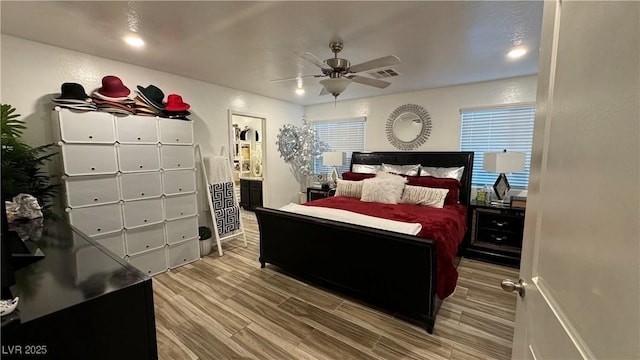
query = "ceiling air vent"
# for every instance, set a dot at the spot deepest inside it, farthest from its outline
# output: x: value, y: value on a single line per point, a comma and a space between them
x: 383, y: 73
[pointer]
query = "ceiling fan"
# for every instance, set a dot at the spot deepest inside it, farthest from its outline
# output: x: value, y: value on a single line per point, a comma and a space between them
x: 340, y: 73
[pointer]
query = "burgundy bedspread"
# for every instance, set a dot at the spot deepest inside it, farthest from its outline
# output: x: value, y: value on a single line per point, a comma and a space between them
x: 446, y: 226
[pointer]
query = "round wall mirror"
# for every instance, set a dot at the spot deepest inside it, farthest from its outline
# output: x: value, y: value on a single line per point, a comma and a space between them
x: 408, y: 126
x: 288, y: 142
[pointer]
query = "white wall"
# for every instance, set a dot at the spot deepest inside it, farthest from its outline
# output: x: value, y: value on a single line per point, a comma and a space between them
x: 443, y: 105
x: 32, y: 74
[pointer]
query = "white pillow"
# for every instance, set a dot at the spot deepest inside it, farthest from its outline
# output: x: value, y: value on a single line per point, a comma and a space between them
x: 384, y: 188
x: 349, y: 188
x: 411, y: 170
x: 420, y: 195
x: 443, y: 172
x: 365, y: 169
x: 399, y: 180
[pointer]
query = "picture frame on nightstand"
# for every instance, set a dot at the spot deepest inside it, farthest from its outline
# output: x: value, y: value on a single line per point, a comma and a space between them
x: 518, y: 202
x: 319, y: 181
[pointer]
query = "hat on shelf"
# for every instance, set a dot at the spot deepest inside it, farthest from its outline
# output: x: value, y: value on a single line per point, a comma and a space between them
x: 166, y: 113
x: 148, y: 102
x: 175, y: 103
x: 181, y: 115
x: 141, y: 106
x: 72, y: 91
x: 86, y: 106
x: 101, y: 102
x: 153, y: 95
x: 123, y: 99
x: 113, y: 87
x: 113, y: 107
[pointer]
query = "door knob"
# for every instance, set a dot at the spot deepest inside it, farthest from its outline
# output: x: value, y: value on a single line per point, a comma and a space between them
x: 509, y: 285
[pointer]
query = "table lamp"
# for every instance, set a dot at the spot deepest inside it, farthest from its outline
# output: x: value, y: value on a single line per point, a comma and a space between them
x: 333, y: 158
x: 503, y: 162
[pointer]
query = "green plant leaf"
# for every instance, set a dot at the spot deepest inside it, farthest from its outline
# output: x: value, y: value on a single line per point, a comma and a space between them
x: 22, y: 165
x: 10, y: 126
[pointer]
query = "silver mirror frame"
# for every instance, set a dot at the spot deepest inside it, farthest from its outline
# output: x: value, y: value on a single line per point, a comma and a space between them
x: 422, y: 114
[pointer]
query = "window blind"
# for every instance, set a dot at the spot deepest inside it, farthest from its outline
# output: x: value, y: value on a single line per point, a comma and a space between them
x: 491, y: 130
x: 341, y: 135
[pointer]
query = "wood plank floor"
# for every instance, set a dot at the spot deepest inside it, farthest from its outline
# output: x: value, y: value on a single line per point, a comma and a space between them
x: 227, y: 308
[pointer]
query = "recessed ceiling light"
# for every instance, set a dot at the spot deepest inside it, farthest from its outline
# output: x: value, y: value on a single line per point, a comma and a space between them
x: 300, y: 91
x: 517, y: 52
x: 133, y: 40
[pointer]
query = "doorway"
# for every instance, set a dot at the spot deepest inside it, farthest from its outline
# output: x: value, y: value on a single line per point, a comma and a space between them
x: 247, y: 153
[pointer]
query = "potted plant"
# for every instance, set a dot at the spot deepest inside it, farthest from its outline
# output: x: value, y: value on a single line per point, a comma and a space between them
x: 22, y: 165
x: 205, y: 240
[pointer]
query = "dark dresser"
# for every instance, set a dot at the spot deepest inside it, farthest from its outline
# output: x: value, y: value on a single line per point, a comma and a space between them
x: 250, y: 193
x: 79, y: 301
x: 496, y: 233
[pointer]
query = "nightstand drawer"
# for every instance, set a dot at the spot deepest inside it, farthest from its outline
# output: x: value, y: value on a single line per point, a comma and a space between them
x: 315, y: 194
x: 488, y: 220
x: 498, y: 237
x: 495, y: 233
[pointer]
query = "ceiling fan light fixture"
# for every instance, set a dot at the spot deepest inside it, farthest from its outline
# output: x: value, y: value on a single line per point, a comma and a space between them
x: 517, y: 52
x: 133, y: 40
x: 335, y: 86
x: 299, y: 91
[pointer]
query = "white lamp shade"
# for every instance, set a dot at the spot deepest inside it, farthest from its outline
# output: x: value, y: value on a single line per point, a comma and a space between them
x: 503, y: 162
x: 333, y: 158
x: 335, y: 86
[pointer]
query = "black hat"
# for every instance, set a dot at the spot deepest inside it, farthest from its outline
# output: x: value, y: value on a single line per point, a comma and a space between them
x: 73, y: 91
x: 153, y: 95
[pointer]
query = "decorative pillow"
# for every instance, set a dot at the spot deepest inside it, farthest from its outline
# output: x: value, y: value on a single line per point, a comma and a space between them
x: 356, y: 177
x: 349, y: 188
x: 365, y: 169
x: 420, y: 195
x: 443, y: 172
x: 400, y: 179
x: 391, y: 176
x: 442, y: 183
x: 411, y: 170
x: 383, y: 189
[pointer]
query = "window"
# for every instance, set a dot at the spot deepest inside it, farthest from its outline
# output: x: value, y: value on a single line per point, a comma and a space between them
x: 488, y: 130
x: 341, y: 135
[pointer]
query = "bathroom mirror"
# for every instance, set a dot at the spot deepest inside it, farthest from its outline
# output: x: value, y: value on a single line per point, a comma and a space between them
x: 408, y: 126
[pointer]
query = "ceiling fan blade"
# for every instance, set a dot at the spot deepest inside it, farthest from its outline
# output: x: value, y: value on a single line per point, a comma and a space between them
x: 370, y: 81
x: 324, y: 92
x: 295, y: 78
x: 315, y: 61
x: 375, y: 63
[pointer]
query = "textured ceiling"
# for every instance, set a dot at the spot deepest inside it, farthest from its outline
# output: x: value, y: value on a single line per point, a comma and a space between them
x: 244, y: 44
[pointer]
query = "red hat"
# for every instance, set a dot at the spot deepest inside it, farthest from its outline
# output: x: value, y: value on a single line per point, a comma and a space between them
x: 175, y: 103
x: 113, y: 87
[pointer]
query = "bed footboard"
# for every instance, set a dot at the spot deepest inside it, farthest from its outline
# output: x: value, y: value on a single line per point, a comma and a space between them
x: 395, y: 272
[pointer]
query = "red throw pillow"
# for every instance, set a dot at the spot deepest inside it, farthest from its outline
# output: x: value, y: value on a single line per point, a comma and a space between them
x: 356, y: 176
x: 442, y: 183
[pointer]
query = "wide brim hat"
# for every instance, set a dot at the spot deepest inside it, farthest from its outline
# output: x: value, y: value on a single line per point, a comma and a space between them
x: 175, y: 103
x: 152, y: 94
x: 149, y: 102
x: 141, y: 104
x: 113, y: 87
x: 167, y: 113
x: 123, y: 99
x: 107, y: 103
x: 72, y: 91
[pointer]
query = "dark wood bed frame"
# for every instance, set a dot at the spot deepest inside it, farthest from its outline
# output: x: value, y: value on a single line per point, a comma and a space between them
x: 393, y: 272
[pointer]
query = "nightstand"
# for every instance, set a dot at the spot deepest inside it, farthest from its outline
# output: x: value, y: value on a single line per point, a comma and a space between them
x: 315, y: 193
x: 495, y: 233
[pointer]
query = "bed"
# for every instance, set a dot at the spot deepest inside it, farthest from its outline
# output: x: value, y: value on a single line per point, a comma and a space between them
x: 394, y: 272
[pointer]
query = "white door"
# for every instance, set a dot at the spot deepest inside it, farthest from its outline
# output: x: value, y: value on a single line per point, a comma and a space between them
x: 580, y: 262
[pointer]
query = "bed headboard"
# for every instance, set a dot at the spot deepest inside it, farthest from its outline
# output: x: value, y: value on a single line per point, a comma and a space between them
x: 433, y: 158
